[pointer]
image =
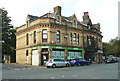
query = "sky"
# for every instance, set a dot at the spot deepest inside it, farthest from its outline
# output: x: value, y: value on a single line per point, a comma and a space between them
x: 104, y: 12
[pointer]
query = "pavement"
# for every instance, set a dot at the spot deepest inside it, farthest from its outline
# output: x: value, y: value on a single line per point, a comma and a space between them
x: 24, y: 65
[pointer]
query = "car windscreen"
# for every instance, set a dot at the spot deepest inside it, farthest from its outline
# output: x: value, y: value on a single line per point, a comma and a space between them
x: 56, y: 59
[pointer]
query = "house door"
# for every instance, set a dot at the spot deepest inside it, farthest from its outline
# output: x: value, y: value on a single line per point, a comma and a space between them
x: 35, y: 58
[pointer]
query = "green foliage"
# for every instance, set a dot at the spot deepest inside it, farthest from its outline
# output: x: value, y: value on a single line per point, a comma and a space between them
x: 113, y: 47
x: 8, y: 35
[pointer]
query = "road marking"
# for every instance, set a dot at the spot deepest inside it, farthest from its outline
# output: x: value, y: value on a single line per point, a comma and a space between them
x: 29, y: 68
x: 16, y: 69
x: 75, y: 75
x: 52, y: 77
x: 23, y: 68
x: 63, y: 76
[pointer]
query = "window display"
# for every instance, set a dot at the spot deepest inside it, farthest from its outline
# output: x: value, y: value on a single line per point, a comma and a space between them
x: 58, y: 54
x: 73, y: 55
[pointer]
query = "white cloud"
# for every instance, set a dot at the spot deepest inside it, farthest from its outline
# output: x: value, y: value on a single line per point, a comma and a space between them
x: 103, y: 11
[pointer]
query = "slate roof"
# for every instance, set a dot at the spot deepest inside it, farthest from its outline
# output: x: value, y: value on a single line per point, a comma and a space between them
x: 32, y: 18
x: 67, y: 19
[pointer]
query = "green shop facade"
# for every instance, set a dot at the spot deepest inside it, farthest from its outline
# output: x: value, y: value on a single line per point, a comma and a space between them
x: 41, y: 54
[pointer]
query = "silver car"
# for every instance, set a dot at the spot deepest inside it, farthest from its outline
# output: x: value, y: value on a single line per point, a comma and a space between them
x: 56, y: 63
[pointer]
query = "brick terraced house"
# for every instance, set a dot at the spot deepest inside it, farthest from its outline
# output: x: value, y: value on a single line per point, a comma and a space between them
x: 55, y: 36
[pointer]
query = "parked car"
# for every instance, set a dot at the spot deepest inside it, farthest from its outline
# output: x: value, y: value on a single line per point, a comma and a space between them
x: 110, y: 60
x: 116, y: 59
x: 56, y: 63
x: 79, y: 61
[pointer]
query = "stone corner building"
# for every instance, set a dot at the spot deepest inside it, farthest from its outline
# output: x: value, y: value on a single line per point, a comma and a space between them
x: 55, y: 36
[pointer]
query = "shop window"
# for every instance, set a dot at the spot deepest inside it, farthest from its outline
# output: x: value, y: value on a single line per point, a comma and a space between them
x: 58, y: 36
x: 70, y: 38
x: 44, y: 35
x: 74, y: 54
x: 74, y: 38
x: 56, y: 54
x: 34, y: 36
x: 27, y: 39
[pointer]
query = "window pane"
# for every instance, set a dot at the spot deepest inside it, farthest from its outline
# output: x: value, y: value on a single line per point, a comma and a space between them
x: 44, y: 36
x: 44, y: 40
x: 44, y: 31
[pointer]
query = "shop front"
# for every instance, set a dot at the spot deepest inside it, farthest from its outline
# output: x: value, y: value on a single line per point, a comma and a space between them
x: 41, y: 55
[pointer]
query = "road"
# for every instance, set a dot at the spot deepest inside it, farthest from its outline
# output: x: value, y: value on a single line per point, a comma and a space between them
x: 94, y: 71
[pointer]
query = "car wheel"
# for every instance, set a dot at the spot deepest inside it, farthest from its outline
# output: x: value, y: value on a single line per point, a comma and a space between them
x: 81, y: 64
x: 78, y: 64
x: 88, y: 63
x: 48, y: 66
x: 72, y: 65
x: 53, y: 66
x: 67, y: 65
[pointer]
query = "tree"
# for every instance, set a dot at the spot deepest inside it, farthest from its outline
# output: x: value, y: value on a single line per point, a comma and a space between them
x: 113, y: 47
x: 8, y: 35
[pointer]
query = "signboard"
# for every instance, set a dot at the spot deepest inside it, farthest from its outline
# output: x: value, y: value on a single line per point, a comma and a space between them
x: 75, y: 49
x: 59, y: 47
x: 62, y: 48
x: 45, y: 47
x: 34, y: 48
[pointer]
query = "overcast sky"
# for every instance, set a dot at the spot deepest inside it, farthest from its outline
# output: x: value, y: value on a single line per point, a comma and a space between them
x: 104, y: 12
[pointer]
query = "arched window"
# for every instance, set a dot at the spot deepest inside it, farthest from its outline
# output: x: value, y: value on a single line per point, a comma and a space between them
x: 58, y: 20
x: 44, y: 35
x: 74, y: 23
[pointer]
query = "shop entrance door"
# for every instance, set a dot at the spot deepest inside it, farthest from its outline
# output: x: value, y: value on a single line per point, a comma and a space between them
x: 44, y: 58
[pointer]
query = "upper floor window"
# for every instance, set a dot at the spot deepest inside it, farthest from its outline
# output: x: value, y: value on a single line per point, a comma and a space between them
x: 34, y: 36
x: 27, y: 23
x: 58, y: 36
x: 27, y: 39
x: 58, y: 20
x: 70, y: 38
x: 44, y: 35
x: 78, y: 39
x: 74, y: 38
x: 89, y: 40
x: 74, y: 23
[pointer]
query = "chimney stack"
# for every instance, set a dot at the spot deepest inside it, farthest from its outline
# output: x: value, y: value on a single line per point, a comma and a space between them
x: 57, y: 10
x: 85, y: 16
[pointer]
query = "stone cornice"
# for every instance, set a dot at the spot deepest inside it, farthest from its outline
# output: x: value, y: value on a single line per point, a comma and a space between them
x: 49, y: 44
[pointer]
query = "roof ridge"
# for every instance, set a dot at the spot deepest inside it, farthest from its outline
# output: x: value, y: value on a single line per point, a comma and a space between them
x: 32, y: 15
